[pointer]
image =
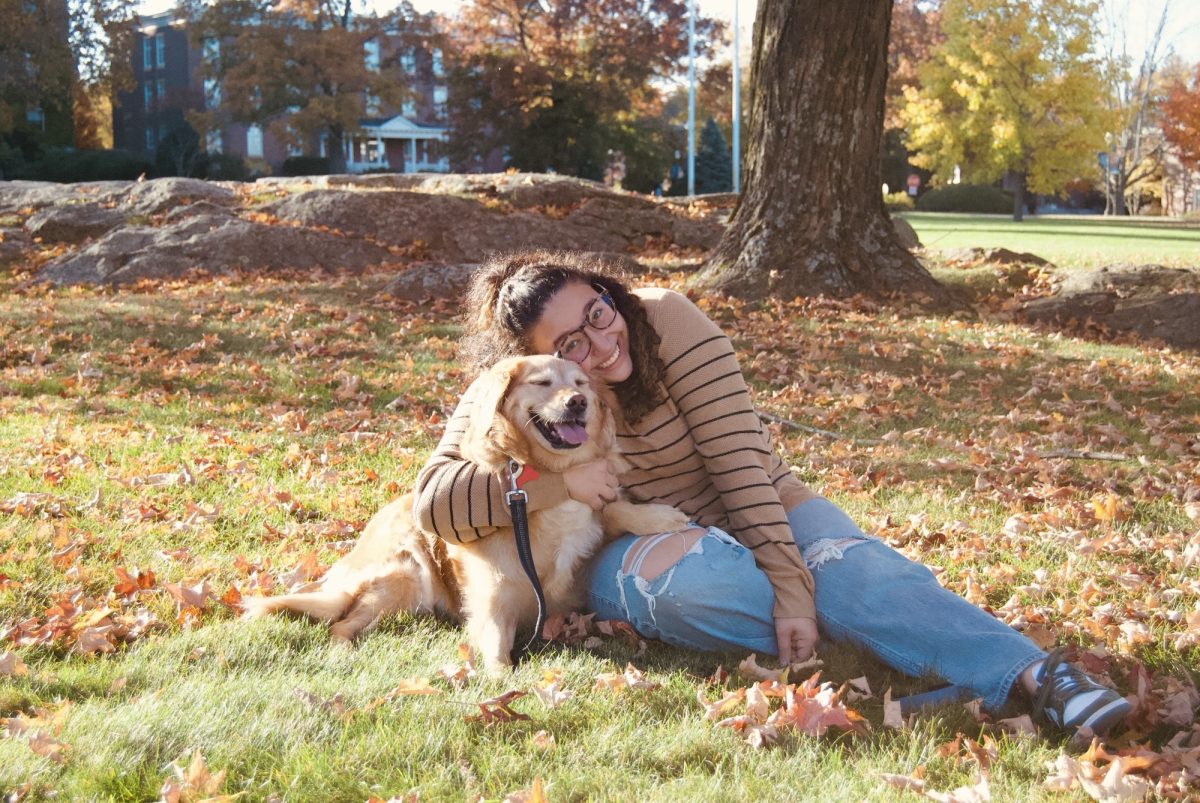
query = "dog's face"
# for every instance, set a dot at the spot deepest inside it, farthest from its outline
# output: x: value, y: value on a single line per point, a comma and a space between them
x: 540, y: 410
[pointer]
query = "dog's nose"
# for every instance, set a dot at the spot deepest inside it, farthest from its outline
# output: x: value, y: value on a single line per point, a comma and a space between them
x: 577, y: 403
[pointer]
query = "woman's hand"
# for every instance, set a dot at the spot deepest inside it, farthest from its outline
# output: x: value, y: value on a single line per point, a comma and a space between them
x: 594, y: 483
x: 797, y: 638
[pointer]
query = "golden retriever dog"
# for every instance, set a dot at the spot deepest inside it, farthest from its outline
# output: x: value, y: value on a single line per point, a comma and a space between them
x: 540, y: 411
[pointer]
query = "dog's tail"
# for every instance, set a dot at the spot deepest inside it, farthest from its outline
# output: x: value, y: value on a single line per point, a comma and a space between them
x: 328, y: 606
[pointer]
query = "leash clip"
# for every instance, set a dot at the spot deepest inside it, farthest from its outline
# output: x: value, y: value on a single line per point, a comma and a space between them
x: 515, y: 494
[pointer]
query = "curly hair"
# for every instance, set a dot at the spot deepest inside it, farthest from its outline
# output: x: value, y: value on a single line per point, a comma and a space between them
x: 508, y: 294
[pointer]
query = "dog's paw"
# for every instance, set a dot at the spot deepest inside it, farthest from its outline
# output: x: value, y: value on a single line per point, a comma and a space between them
x: 655, y: 518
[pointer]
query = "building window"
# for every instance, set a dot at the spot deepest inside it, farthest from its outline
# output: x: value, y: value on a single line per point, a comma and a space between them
x: 437, y: 62
x: 373, y: 105
x: 150, y: 143
x: 148, y: 93
x: 371, y: 55
x: 212, y: 93
x: 36, y: 117
x: 408, y: 60
x: 408, y: 108
x: 160, y: 49
x: 254, y: 142
x: 161, y: 87
x: 211, y: 49
x: 212, y: 142
x: 147, y: 54
x: 294, y: 146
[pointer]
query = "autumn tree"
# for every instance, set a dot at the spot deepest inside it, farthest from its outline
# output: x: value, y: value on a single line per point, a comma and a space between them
x: 810, y: 218
x: 36, y: 66
x: 302, y: 66
x: 1014, y: 92
x: 915, y: 32
x: 1181, y: 120
x: 101, y: 36
x: 559, y: 83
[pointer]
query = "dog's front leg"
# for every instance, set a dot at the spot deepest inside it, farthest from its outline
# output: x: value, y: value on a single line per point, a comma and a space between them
x: 493, y: 632
x: 622, y: 517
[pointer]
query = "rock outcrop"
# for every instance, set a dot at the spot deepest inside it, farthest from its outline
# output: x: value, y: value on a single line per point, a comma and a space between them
x: 1148, y: 300
x: 127, y: 231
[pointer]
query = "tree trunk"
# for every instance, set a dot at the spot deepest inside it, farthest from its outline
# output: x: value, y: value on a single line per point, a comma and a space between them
x: 811, y: 219
x: 335, y: 149
x: 1018, y: 185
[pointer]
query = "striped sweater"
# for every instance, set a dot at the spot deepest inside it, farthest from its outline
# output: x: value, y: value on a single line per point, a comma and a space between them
x: 703, y: 450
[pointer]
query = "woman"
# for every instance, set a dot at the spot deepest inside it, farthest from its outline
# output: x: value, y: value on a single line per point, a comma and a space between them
x: 744, y: 577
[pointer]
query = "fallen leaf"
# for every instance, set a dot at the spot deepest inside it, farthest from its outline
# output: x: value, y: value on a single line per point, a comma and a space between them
x: 11, y: 665
x: 893, y: 716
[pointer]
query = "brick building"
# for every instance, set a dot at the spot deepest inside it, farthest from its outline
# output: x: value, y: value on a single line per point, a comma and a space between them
x: 166, y: 72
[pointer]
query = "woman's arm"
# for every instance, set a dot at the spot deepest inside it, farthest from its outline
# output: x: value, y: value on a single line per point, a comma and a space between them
x: 705, y: 381
x: 460, y: 501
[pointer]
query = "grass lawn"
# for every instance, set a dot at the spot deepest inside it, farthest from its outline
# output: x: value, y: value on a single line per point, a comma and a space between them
x: 167, y: 450
x: 1067, y: 241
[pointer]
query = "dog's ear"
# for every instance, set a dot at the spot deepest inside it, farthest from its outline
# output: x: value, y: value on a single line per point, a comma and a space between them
x: 490, y: 438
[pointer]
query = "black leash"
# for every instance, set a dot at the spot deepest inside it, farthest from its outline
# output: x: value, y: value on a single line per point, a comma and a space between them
x: 516, y: 499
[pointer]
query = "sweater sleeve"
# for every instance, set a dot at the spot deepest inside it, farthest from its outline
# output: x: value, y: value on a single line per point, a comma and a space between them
x: 706, y: 383
x: 460, y: 501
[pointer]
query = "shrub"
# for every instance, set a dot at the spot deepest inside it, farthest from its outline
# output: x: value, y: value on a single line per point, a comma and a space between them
x: 978, y: 198
x: 225, y: 167
x: 898, y: 202
x: 305, y: 166
x: 69, y: 165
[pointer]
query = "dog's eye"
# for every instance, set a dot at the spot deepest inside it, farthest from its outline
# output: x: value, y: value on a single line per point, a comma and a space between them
x: 581, y: 383
x: 541, y: 383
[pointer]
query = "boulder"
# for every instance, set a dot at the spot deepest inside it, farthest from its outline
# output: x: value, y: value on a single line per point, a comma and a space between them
x: 73, y: 223
x: 1150, y: 301
x: 430, y: 282
x: 992, y: 256
x: 453, y: 229
x: 208, y: 244
x: 18, y: 196
x: 164, y: 194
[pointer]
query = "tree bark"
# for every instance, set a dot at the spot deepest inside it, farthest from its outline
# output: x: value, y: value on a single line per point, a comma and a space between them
x: 1018, y: 185
x: 336, y: 149
x: 811, y: 219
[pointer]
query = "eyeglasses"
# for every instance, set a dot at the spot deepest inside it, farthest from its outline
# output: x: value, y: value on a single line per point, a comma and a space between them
x: 599, y: 314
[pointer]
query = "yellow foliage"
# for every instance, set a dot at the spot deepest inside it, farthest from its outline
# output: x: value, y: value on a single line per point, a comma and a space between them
x: 1012, y: 88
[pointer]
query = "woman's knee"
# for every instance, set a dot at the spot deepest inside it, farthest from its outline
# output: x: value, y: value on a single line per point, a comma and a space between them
x: 652, y: 555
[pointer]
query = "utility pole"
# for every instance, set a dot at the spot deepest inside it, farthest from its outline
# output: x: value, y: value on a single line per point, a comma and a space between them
x: 737, y: 104
x: 691, y: 97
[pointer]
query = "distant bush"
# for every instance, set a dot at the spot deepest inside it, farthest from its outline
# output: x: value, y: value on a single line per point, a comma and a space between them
x: 69, y: 165
x: 306, y: 166
x: 979, y: 198
x: 225, y: 167
x: 898, y: 202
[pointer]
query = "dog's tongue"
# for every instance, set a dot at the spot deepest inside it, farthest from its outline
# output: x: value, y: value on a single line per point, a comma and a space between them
x: 571, y: 433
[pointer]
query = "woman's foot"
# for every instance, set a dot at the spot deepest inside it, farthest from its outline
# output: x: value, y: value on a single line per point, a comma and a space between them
x: 1069, y: 699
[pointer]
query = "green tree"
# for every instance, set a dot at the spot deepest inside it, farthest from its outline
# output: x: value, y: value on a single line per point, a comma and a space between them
x: 714, y: 171
x: 559, y: 83
x: 37, y: 70
x: 1015, y: 91
x: 302, y: 66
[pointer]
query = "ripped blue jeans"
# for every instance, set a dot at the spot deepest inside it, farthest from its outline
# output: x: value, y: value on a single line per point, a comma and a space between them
x: 716, y: 598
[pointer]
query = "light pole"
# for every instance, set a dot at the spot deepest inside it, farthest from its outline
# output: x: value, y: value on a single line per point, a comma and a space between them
x: 737, y: 104
x: 691, y: 97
